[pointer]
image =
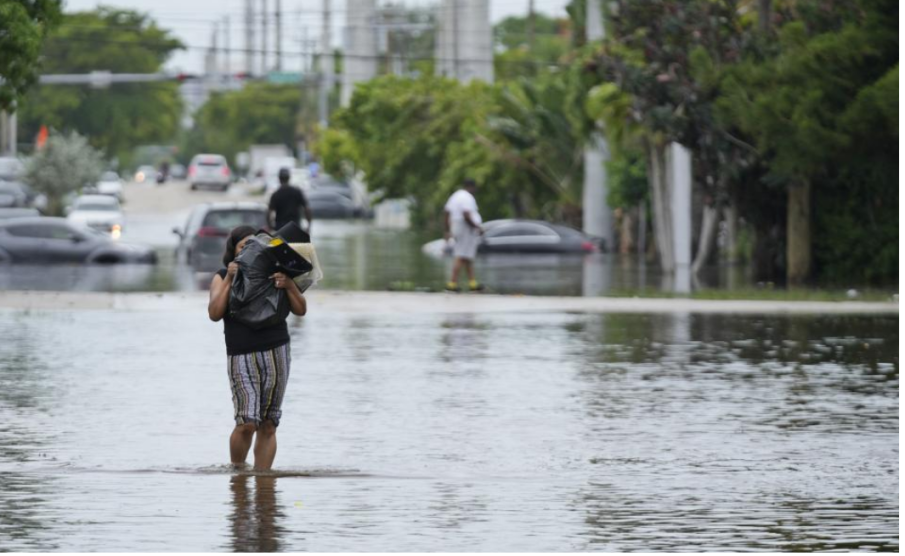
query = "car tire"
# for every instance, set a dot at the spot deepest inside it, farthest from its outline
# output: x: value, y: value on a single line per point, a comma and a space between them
x: 106, y: 259
x: 194, y: 187
x: 224, y: 188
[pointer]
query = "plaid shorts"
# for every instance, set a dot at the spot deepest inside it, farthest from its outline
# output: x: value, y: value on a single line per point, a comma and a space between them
x: 258, y: 382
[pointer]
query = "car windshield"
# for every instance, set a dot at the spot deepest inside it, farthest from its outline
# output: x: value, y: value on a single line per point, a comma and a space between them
x: 229, y: 219
x: 110, y: 176
x: 96, y: 206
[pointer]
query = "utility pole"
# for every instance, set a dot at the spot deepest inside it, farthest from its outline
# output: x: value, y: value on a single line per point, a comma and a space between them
x: 249, y: 37
x: 279, y: 25
x: 214, y: 65
x: 263, y: 37
x: 226, y: 49
x: 531, y: 23
x: 597, y: 218
x: 326, y: 63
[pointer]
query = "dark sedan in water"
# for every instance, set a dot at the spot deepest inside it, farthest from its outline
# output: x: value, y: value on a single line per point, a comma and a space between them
x: 202, y: 241
x: 524, y: 236
x: 54, y: 240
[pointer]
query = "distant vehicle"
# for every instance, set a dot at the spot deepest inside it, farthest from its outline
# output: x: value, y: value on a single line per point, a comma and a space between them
x: 11, y: 168
x: 330, y: 204
x: 145, y: 173
x: 524, y: 236
x: 178, y: 172
x: 99, y: 212
x: 54, y: 240
x: 111, y: 184
x: 258, y: 154
x: 7, y: 213
x: 202, y: 241
x: 13, y: 195
x: 209, y: 170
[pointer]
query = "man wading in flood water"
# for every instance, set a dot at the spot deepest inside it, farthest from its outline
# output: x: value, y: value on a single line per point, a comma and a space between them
x: 258, y: 361
x: 463, y: 224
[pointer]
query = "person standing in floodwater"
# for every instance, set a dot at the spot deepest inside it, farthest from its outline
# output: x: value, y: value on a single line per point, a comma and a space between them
x: 286, y: 204
x: 463, y: 223
x: 258, y: 361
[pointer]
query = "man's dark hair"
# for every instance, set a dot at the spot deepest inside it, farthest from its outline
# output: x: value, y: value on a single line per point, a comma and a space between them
x: 284, y: 176
x: 235, y: 237
x: 470, y: 183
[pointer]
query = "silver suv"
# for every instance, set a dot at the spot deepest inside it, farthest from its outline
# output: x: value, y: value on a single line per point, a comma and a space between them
x: 209, y: 170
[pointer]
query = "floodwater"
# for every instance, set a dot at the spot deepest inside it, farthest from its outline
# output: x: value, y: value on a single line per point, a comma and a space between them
x: 503, y: 432
x: 356, y: 255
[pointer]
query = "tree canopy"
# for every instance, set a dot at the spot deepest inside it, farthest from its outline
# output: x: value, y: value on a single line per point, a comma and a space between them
x: 23, y: 28
x: 123, y: 116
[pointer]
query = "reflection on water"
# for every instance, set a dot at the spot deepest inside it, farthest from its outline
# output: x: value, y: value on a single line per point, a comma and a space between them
x: 256, y: 516
x: 357, y: 256
x: 498, y: 432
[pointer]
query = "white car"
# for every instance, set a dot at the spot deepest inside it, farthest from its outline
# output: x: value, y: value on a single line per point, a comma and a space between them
x: 111, y: 184
x: 209, y: 170
x: 99, y: 212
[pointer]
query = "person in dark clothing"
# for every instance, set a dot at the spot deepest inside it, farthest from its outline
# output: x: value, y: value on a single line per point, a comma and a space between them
x: 286, y: 204
x: 258, y: 361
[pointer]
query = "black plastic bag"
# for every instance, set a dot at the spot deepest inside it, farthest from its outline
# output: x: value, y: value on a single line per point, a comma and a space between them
x: 254, y: 300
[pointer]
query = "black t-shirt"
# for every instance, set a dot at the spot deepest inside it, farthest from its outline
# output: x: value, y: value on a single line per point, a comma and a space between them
x: 241, y: 339
x: 287, y: 202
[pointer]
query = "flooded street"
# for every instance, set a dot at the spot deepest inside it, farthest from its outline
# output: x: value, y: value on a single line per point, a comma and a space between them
x: 432, y: 431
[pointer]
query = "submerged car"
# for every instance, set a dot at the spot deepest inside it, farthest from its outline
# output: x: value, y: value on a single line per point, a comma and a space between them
x: 524, y: 236
x: 203, y: 239
x: 111, y: 184
x: 100, y: 212
x: 331, y: 204
x: 55, y: 240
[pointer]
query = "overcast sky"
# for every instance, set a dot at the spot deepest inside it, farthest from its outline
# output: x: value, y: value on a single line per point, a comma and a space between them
x: 193, y: 25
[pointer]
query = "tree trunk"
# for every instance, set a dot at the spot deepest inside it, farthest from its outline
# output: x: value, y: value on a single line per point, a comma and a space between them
x: 642, y: 228
x: 798, y: 234
x: 626, y: 241
x: 730, y: 213
x: 661, y: 206
x: 763, y: 15
x: 708, y: 233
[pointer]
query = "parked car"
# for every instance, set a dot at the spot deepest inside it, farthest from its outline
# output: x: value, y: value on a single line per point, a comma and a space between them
x: 99, y: 212
x: 202, y: 241
x: 55, y: 240
x: 111, y: 184
x: 145, y: 173
x: 7, y: 213
x: 12, y: 195
x: 11, y: 168
x: 524, y: 236
x: 330, y: 204
x: 209, y: 170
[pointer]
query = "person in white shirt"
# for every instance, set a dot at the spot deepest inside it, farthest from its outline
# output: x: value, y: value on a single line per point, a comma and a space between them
x: 463, y: 224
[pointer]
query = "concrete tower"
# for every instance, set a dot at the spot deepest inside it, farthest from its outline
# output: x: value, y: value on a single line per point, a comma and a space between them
x: 465, y: 40
x: 360, y: 63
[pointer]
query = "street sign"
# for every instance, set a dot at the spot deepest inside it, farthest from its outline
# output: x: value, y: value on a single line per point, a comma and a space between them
x: 284, y: 77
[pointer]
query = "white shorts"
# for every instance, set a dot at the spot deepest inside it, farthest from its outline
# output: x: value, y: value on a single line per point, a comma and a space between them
x: 467, y: 240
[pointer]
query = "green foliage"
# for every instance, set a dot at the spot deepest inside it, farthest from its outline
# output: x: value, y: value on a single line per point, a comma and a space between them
x: 63, y: 166
x: 522, y: 55
x: 229, y: 122
x: 23, y: 28
x: 627, y: 184
x: 123, y: 116
x: 822, y: 108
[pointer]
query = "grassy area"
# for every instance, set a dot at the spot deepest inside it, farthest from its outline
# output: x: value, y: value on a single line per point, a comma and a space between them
x: 765, y: 294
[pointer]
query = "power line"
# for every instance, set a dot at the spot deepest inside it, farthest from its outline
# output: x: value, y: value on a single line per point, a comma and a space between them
x: 293, y: 54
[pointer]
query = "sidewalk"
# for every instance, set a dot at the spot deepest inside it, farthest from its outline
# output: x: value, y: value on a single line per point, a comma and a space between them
x: 376, y: 302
